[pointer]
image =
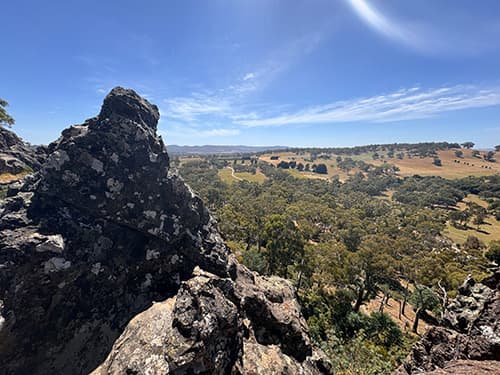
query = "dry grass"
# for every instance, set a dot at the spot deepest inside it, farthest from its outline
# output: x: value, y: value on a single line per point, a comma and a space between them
x: 226, y: 176
x: 449, y: 169
x: 7, y: 177
x: 468, y: 166
x: 487, y: 232
x: 392, y: 309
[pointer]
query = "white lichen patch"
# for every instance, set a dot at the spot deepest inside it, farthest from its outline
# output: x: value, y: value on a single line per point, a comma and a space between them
x: 152, y: 254
x: 150, y: 214
x: 97, y: 165
x: 56, y: 264
x: 114, y: 186
x: 96, y: 268
x: 114, y: 157
x: 53, y: 243
x: 57, y: 159
x: 147, y: 283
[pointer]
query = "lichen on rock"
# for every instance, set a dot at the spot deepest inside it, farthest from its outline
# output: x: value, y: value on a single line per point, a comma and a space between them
x: 92, y: 242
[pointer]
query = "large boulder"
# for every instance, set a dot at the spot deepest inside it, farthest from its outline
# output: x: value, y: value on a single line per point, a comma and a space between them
x: 91, y: 245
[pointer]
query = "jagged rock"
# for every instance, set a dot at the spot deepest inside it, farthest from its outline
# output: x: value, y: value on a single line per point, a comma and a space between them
x: 104, y: 230
x: 471, y: 332
x: 16, y: 156
x: 464, y: 367
x: 210, y: 327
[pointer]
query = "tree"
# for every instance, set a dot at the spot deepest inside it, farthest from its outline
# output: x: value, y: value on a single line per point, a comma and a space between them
x: 468, y: 145
x: 283, y: 242
x: 422, y: 299
x: 283, y: 164
x: 437, y: 162
x: 321, y: 169
x: 459, y: 153
x: 300, y: 167
x: 497, y: 148
x: 5, y: 118
x: 490, y: 156
x: 459, y: 219
x: 493, y: 253
x: 476, y: 154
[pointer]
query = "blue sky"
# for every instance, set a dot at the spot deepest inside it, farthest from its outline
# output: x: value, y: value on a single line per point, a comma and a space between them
x: 255, y: 72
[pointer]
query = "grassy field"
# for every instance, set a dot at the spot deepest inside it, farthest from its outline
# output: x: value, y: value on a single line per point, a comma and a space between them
x: 487, y: 232
x: 305, y: 159
x: 226, y: 176
x: 466, y: 166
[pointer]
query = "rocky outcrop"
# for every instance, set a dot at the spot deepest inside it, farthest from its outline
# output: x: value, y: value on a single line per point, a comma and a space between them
x: 106, y: 240
x: 16, y: 156
x: 471, y: 333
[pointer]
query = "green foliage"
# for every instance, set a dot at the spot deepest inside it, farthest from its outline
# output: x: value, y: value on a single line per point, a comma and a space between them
x: 3, y: 192
x: 493, y: 253
x: 341, y: 245
x: 320, y: 169
x: 283, y: 242
x: 5, y: 118
x: 255, y: 260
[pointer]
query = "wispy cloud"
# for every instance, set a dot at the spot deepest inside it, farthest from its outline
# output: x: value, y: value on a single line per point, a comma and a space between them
x: 427, y: 29
x: 248, y: 76
x: 405, y: 104
x: 229, y: 102
x: 390, y: 28
x: 189, y: 109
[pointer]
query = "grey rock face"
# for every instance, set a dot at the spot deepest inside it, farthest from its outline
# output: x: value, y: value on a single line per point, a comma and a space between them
x: 103, y: 231
x: 17, y: 156
x: 472, y: 330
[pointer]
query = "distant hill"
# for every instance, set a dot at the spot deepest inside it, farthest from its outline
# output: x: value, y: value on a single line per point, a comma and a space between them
x: 219, y: 149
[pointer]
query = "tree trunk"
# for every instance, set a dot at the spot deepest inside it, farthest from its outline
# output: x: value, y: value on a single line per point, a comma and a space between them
x: 359, y: 299
x: 415, y: 322
x: 382, y: 303
x: 403, y: 307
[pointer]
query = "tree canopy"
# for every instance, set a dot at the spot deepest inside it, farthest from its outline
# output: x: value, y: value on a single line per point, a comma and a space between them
x: 5, y: 118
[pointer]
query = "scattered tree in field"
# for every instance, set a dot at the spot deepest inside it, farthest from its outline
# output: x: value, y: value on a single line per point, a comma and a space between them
x: 300, y: 167
x: 468, y: 145
x: 473, y: 243
x: 493, y: 253
x: 476, y: 154
x: 497, y: 148
x: 283, y: 164
x: 459, y: 153
x: 321, y: 169
x: 459, y: 219
x: 5, y: 118
x: 437, y: 162
x: 490, y: 156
